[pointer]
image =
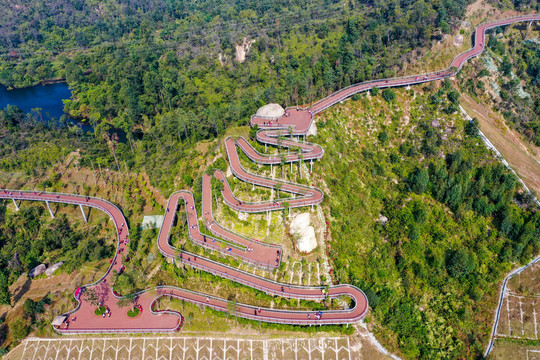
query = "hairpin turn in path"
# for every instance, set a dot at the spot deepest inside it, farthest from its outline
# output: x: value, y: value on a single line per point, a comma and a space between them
x: 295, y: 122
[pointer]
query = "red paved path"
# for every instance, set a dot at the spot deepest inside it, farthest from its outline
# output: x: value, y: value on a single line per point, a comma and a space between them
x: 307, y: 195
x: 296, y: 122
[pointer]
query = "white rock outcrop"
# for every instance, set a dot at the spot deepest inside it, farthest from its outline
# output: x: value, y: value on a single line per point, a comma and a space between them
x: 312, y: 131
x: 458, y: 40
x: 38, y: 270
x: 270, y: 111
x: 243, y: 49
x: 303, y: 233
x: 51, y: 269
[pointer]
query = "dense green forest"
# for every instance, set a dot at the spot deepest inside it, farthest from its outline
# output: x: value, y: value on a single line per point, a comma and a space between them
x: 154, y: 73
x: 159, y: 63
x: 426, y: 222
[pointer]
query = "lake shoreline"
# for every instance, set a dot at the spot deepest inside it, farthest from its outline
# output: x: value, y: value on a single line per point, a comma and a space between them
x: 52, y: 81
x: 43, y: 82
x: 45, y: 98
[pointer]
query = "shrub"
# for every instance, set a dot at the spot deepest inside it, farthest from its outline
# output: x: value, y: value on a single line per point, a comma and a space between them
x: 453, y: 96
x: 19, y: 329
x: 29, y: 308
x: 483, y: 73
x: 460, y: 263
x: 373, y: 299
x: 471, y: 128
x: 389, y: 95
x: 100, y: 310
x: 419, y: 180
x: 133, y: 312
x: 383, y: 137
x: 253, y: 132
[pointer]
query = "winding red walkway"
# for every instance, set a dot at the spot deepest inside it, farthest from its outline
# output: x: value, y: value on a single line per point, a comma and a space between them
x: 296, y: 122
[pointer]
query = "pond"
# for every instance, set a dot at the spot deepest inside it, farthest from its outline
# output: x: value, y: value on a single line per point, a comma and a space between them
x: 48, y: 98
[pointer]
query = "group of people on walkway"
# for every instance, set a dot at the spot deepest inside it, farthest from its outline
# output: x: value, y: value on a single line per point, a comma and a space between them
x: 317, y: 315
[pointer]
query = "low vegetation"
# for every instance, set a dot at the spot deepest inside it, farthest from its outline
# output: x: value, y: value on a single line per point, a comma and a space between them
x: 30, y: 237
x: 100, y: 310
x: 426, y: 222
x: 507, y: 76
x: 133, y: 312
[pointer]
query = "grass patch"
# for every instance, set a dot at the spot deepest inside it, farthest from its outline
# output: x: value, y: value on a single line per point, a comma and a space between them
x: 133, y: 312
x: 100, y: 310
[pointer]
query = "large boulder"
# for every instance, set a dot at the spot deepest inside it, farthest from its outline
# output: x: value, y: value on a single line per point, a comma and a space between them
x: 303, y: 233
x: 51, y: 269
x: 38, y: 270
x: 458, y: 40
x: 270, y: 111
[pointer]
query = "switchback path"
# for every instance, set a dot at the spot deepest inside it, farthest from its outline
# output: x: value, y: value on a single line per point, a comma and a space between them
x: 295, y: 122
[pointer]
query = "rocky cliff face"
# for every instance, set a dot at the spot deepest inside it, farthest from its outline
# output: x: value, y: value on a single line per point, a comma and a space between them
x: 242, y: 49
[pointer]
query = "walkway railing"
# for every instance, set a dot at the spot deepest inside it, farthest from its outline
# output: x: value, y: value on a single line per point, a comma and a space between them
x: 276, y: 159
x: 209, y: 245
x: 408, y: 79
x: 270, y: 183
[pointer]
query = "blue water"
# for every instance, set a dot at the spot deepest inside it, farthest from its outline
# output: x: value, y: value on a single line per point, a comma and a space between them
x: 46, y: 97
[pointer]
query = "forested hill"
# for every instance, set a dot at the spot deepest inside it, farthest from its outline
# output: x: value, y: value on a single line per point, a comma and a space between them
x: 128, y: 60
x: 61, y: 24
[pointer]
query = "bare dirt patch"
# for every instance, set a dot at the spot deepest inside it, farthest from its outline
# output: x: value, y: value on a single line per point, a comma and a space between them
x: 479, y: 8
x: 527, y: 282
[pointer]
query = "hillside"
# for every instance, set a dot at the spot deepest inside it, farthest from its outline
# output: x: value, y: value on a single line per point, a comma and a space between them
x: 169, y: 69
x: 422, y: 218
x: 507, y: 77
x: 417, y: 213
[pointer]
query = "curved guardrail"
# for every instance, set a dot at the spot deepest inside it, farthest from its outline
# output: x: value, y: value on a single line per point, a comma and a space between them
x: 276, y: 159
x: 36, y: 197
x: 270, y: 183
x: 225, y: 230
x: 209, y: 245
x: 273, y: 205
x: 287, y: 293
